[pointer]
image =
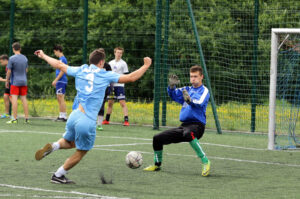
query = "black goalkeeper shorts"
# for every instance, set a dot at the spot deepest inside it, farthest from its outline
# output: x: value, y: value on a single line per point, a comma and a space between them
x: 186, y: 132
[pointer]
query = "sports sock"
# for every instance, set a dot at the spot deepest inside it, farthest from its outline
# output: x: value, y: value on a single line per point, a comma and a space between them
x: 197, y: 148
x: 126, y: 118
x: 60, y: 172
x: 100, y: 119
x: 158, y: 157
x: 63, y: 115
x: 107, y: 117
x: 55, y: 146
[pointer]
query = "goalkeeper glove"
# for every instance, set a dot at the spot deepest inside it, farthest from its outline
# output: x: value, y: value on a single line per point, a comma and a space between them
x: 186, y: 96
x: 173, y: 81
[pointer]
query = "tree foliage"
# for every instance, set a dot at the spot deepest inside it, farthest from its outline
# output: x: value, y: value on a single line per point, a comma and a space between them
x: 225, y: 28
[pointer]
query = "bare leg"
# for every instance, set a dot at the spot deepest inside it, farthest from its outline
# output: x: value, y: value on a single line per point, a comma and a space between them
x: 110, y: 106
x: 61, y: 103
x: 14, y: 102
x: 64, y: 144
x: 74, y: 159
x: 6, y: 103
x: 25, y: 105
x: 124, y: 107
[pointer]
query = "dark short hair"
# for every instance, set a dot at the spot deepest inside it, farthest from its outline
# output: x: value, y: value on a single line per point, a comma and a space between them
x: 118, y: 48
x: 16, y: 46
x: 4, y: 57
x: 58, y: 48
x: 196, y: 68
x: 102, y: 50
x: 96, y: 56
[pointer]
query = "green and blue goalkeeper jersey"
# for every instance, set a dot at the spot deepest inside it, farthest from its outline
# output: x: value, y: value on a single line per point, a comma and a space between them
x: 196, y: 110
x: 91, y: 83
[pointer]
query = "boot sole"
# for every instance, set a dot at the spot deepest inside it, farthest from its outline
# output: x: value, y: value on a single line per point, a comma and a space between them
x: 40, y: 153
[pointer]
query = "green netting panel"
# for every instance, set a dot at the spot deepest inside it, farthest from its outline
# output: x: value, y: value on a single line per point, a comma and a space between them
x: 288, y: 92
x: 226, y: 31
x: 41, y: 24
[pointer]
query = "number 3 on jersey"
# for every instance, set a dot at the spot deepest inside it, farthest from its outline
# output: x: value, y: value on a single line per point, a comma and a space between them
x: 90, y: 77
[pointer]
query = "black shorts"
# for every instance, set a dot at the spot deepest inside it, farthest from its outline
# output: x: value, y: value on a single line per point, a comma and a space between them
x: 186, y: 132
x: 7, y: 91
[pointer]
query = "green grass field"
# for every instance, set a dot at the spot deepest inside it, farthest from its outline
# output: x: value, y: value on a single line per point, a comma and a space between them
x: 241, y: 166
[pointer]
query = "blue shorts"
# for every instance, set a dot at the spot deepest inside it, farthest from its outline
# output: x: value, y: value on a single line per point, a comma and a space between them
x: 81, y: 129
x: 119, y: 93
x: 61, y: 88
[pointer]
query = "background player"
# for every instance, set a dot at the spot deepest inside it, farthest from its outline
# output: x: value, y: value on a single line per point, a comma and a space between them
x: 16, y: 75
x: 194, y: 101
x: 101, y: 112
x: 91, y: 83
x: 4, y: 62
x: 119, y: 66
x: 60, y: 84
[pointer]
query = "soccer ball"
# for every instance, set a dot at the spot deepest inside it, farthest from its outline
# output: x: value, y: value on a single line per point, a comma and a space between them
x: 134, y: 159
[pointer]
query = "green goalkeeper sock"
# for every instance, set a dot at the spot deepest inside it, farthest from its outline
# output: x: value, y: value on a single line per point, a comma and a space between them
x: 197, y: 148
x: 158, y: 157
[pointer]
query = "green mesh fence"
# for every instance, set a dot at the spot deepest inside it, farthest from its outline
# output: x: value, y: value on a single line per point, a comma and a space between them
x: 226, y: 31
x: 287, y: 92
x: 42, y: 24
x: 238, y: 64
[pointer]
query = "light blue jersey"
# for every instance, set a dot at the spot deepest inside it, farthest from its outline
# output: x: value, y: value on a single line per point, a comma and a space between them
x: 91, y: 83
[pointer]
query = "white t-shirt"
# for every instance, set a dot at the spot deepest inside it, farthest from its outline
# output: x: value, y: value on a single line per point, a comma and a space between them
x: 119, y: 67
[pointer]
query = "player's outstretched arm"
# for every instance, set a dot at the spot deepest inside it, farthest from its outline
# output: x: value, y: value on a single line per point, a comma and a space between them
x: 132, y: 77
x: 53, y: 62
x: 2, y: 79
x: 8, y: 73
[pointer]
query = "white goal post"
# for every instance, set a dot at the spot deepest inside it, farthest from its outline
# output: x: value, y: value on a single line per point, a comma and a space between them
x: 273, y: 79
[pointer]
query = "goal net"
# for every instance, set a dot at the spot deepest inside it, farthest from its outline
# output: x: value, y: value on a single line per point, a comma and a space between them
x: 284, y: 89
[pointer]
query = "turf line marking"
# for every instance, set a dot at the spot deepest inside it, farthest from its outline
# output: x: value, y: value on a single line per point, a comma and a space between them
x: 236, y: 147
x: 35, y: 132
x: 212, y: 157
x: 129, y: 138
x: 132, y: 144
x: 58, y: 191
x: 146, y: 139
x: 38, y: 196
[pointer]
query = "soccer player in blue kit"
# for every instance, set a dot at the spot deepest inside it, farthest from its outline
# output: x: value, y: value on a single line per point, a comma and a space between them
x: 60, y: 84
x: 194, y: 101
x: 90, y: 82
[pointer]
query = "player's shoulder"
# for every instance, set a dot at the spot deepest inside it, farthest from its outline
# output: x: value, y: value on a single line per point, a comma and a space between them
x: 78, y: 68
x: 13, y: 57
x: 63, y: 58
x: 204, y: 90
x: 111, y: 62
x: 123, y: 62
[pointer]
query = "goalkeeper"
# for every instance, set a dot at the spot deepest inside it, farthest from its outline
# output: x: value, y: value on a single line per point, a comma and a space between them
x: 194, y: 101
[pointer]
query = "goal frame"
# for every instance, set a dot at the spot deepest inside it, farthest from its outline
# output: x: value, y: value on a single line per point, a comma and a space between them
x: 273, y: 81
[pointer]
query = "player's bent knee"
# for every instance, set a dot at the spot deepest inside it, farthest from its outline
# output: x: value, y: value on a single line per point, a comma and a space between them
x: 72, y: 144
x: 81, y: 153
x: 156, y: 138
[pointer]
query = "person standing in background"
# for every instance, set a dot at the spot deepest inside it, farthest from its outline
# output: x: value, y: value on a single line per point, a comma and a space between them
x: 60, y: 84
x: 16, y: 75
x: 119, y: 66
x: 4, y: 62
